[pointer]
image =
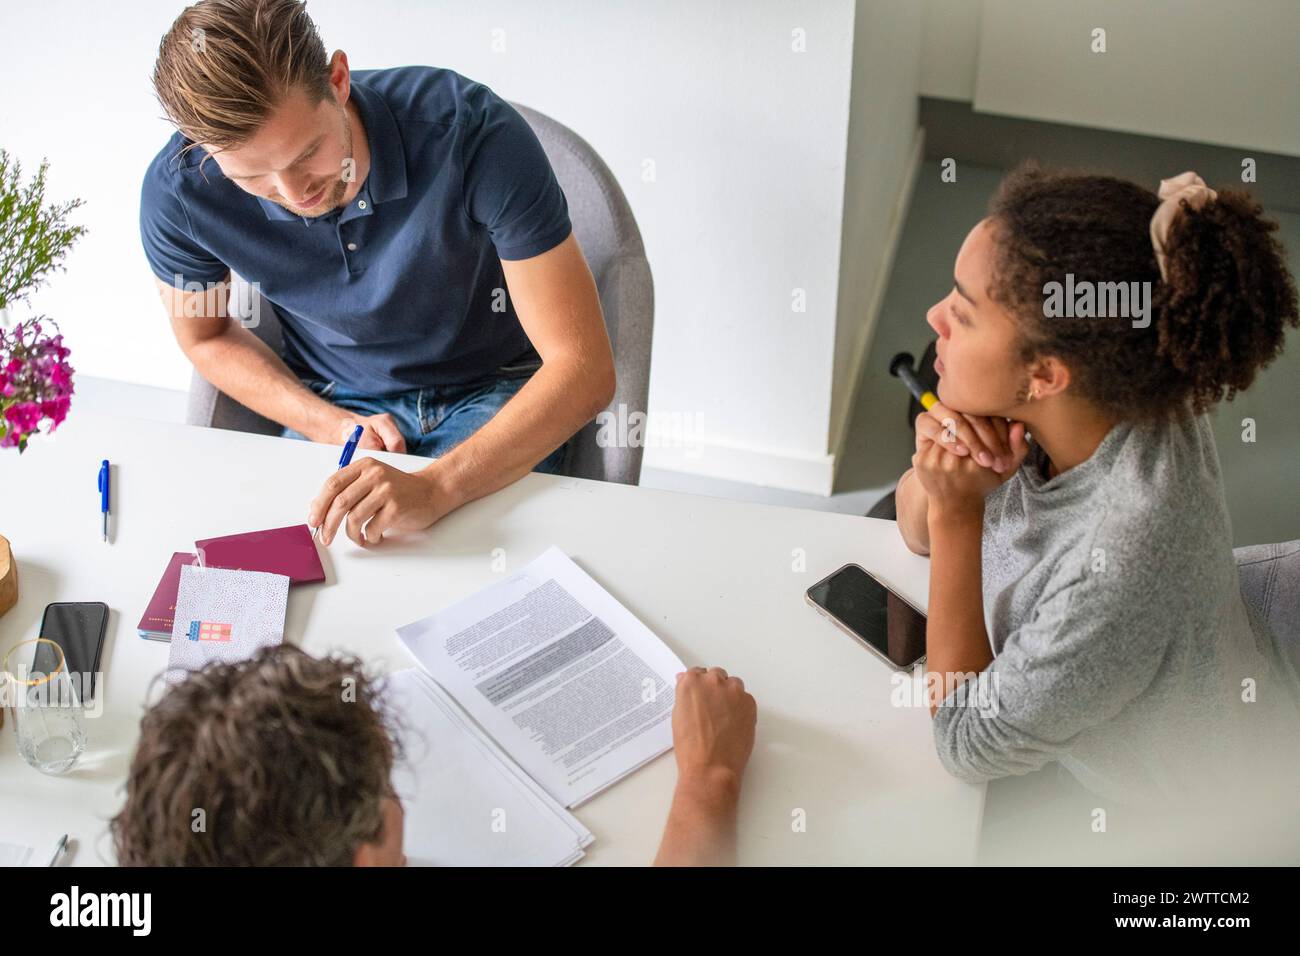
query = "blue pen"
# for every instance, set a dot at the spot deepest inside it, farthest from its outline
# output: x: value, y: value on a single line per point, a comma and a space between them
x: 103, y: 494
x: 350, y: 447
x: 345, y: 459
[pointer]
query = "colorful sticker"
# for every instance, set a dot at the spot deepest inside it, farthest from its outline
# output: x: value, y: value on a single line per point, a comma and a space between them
x: 209, y: 631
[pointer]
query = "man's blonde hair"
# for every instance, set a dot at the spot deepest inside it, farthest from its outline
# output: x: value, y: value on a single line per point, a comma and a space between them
x: 225, y: 65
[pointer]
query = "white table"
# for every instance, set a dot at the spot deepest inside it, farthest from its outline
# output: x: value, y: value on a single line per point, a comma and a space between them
x: 715, y: 579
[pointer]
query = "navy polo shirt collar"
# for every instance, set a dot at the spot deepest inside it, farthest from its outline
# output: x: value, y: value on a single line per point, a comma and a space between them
x: 387, y: 177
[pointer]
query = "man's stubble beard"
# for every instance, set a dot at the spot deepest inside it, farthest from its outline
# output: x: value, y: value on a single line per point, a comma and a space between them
x: 334, y: 198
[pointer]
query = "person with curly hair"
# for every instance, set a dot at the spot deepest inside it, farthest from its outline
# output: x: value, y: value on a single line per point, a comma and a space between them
x: 1084, y: 607
x: 285, y: 759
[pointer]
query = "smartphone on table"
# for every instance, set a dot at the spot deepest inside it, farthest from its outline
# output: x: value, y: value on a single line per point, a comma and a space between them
x: 874, y: 615
x: 78, y: 628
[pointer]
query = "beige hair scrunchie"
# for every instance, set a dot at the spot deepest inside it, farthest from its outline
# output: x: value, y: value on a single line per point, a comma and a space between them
x: 1172, y: 192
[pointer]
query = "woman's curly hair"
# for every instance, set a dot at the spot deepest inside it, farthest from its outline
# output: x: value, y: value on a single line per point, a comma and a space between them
x: 282, y: 759
x: 1219, y: 317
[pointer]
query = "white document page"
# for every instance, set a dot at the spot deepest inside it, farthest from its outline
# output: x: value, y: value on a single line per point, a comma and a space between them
x: 466, y: 803
x: 575, y: 688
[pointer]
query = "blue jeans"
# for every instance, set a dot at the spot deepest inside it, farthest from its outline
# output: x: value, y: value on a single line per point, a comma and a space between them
x: 435, y: 420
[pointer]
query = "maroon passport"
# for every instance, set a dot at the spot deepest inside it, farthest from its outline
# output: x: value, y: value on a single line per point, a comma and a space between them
x: 289, y: 551
x: 156, y: 623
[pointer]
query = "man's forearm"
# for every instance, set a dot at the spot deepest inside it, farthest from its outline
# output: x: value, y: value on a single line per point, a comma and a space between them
x: 244, y: 367
x: 957, y: 642
x: 558, y: 400
x: 701, y: 827
x: 911, y: 505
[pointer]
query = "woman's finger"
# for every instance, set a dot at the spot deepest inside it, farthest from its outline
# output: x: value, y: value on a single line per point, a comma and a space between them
x: 963, y: 432
x: 1001, y: 426
x: 930, y: 432
x: 1019, y: 445
x: 955, y: 433
x: 958, y: 431
x: 927, y: 431
x: 992, y: 455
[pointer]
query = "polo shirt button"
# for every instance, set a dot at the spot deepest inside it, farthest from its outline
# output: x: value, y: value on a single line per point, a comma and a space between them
x: 361, y: 204
x: 352, y: 247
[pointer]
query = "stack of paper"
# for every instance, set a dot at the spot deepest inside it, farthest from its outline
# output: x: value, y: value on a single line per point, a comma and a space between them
x: 565, y: 679
x: 466, y: 802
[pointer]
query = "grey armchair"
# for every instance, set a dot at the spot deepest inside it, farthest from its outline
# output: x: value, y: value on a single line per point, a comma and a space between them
x: 1270, y: 586
x: 608, y: 234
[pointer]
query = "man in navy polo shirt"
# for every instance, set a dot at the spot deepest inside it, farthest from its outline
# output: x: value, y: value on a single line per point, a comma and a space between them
x: 407, y: 227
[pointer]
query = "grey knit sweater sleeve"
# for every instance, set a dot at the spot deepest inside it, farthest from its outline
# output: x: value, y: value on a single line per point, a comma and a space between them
x: 1093, y: 644
x: 1122, y: 647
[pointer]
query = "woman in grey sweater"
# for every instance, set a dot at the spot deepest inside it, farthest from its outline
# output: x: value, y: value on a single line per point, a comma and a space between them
x: 1084, y: 602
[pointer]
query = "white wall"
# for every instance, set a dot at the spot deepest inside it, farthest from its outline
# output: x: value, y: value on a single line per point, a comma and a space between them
x: 950, y: 48
x: 748, y: 138
x: 1200, y: 70
x: 884, y: 156
x: 75, y: 82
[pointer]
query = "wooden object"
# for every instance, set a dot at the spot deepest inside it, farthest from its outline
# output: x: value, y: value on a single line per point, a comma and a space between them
x: 8, y: 577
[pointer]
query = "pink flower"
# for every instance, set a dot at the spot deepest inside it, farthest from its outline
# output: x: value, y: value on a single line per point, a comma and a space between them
x: 23, y: 417
x: 56, y: 410
x: 35, y: 382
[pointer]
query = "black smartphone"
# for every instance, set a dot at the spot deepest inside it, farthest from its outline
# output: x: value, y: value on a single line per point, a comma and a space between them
x: 78, y: 628
x: 883, y: 621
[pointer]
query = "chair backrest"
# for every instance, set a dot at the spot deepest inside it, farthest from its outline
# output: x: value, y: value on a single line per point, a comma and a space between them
x: 215, y: 409
x: 1270, y: 586
x: 607, y: 232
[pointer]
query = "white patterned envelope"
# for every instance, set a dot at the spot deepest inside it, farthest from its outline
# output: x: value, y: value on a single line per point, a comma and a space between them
x: 225, y: 616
